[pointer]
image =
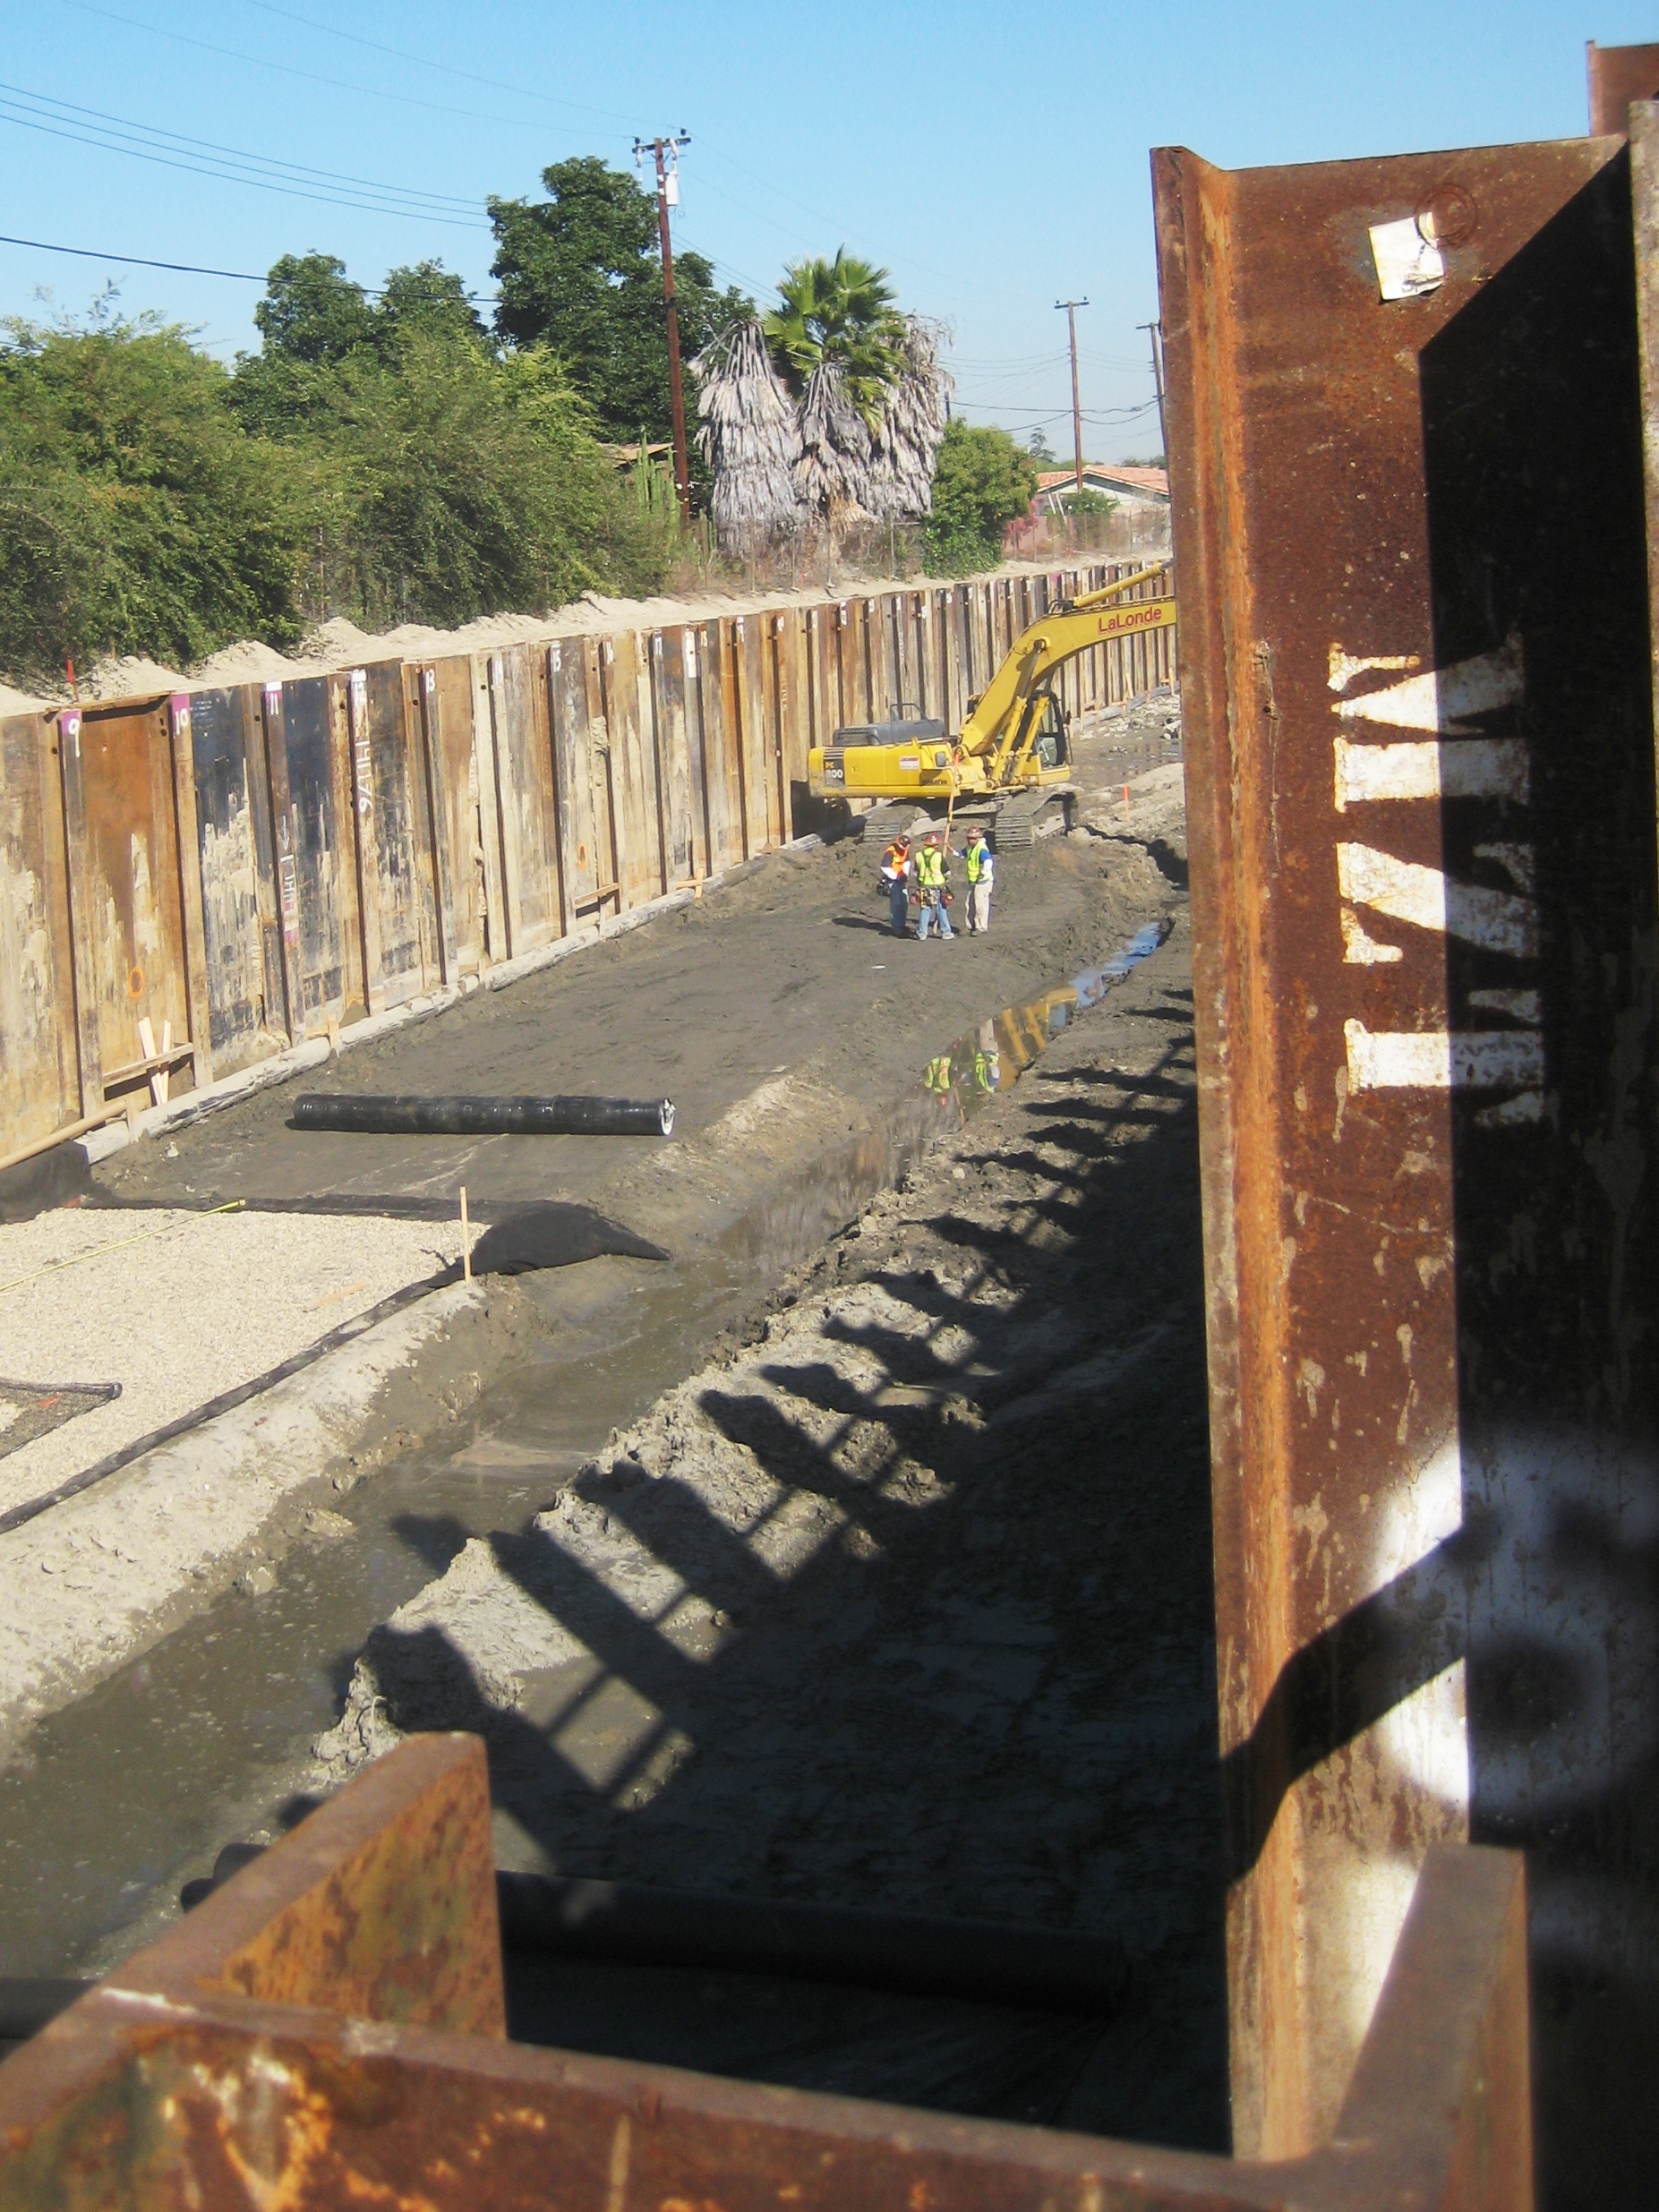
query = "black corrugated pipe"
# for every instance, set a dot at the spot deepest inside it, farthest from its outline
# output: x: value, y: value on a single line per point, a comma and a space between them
x: 364, y: 1113
x: 994, y: 1962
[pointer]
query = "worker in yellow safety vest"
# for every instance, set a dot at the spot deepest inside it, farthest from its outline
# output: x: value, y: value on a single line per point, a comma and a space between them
x: 981, y: 876
x: 930, y: 878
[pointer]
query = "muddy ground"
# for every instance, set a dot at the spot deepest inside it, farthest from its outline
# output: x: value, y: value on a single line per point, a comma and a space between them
x: 901, y: 1600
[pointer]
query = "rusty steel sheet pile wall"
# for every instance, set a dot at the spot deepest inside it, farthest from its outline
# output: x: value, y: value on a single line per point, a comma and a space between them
x: 242, y: 869
x: 1418, y: 710
x: 328, y: 2028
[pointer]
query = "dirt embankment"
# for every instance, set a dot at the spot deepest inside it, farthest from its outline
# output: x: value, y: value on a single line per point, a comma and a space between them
x: 902, y: 1599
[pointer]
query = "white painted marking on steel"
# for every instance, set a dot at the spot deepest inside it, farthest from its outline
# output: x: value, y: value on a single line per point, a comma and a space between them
x: 1499, y: 920
x: 1360, y: 949
x: 1527, y: 1106
x: 1519, y: 861
x: 1345, y: 666
x: 1442, y: 699
x: 1441, y: 1060
x: 1525, y: 1006
x: 1426, y: 768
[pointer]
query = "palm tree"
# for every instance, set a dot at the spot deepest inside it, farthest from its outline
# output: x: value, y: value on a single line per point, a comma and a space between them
x: 838, y: 314
x: 828, y: 411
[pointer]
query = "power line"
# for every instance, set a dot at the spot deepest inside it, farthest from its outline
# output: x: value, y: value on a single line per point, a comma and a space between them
x: 309, y: 76
x: 174, y: 141
x: 133, y: 261
x: 222, y: 173
x: 444, y: 69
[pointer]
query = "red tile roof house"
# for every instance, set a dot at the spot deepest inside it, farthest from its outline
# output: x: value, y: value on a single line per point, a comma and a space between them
x: 1132, y: 487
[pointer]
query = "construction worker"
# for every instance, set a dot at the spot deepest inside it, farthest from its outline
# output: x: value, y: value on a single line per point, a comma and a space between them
x: 931, y: 878
x: 981, y: 876
x: 895, y: 873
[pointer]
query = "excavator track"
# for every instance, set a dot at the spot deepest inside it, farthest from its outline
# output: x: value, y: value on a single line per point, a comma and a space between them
x: 1017, y: 818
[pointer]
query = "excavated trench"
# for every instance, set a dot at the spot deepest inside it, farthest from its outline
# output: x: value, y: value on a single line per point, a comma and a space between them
x: 126, y: 1796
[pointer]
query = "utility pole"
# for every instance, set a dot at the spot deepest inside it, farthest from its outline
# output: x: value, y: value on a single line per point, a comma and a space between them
x: 1154, y: 331
x: 1071, y: 307
x: 667, y: 197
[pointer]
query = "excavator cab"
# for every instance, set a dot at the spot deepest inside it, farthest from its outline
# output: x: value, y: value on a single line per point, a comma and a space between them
x: 1051, y: 741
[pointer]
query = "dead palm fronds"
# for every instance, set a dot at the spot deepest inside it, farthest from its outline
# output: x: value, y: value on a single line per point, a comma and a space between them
x: 750, y: 437
x: 834, y: 476
x: 911, y: 428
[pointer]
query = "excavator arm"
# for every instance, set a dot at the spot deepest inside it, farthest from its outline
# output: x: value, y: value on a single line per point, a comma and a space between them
x: 994, y: 753
x: 1000, y: 731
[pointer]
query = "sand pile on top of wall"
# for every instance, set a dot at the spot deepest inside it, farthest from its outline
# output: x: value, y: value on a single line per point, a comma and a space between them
x: 339, y: 643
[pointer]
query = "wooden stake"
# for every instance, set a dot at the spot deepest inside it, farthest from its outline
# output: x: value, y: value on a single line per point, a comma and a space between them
x: 466, y: 1241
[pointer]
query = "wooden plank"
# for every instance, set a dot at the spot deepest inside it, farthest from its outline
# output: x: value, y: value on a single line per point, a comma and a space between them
x: 462, y: 842
x: 539, y: 818
x: 578, y: 875
x: 365, y: 841
x: 745, y: 705
x: 130, y: 886
x: 722, y: 766
x: 398, y: 883
x: 492, y: 835
x: 431, y: 842
x: 929, y: 673
x: 650, y: 760
x: 39, y: 1065
x: 619, y: 659
x: 602, y: 776
x: 793, y: 713
x: 309, y: 765
x: 266, y: 893
x: 506, y: 801
x: 694, y: 658
x: 675, y: 777
x: 77, y: 844
x: 222, y: 756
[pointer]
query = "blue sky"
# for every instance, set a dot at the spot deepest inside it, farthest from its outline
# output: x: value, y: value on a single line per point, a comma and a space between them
x: 993, y: 156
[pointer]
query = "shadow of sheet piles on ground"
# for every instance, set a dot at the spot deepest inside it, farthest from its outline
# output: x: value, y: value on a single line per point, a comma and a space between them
x: 939, y: 1640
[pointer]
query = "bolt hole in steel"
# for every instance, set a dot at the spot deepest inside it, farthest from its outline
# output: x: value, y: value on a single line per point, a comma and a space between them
x: 1449, y: 215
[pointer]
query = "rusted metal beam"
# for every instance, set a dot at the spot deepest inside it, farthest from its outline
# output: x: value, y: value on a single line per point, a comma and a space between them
x: 1406, y: 448
x: 1619, y: 75
x: 325, y: 2031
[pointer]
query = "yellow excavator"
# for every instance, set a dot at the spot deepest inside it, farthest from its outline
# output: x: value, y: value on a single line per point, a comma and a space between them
x: 1012, y: 757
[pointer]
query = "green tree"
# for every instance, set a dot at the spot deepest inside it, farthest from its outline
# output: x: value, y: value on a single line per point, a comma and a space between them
x: 311, y: 311
x: 1041, y: 452
x: 136, y: 514
x: 983, y: 481
x: 427, y: 296
x: 581, y: 272
x: 839, y: 312
x: 457, y: 485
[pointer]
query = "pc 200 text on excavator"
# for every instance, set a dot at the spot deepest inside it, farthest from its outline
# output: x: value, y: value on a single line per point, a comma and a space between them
x: 1015, y: 740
